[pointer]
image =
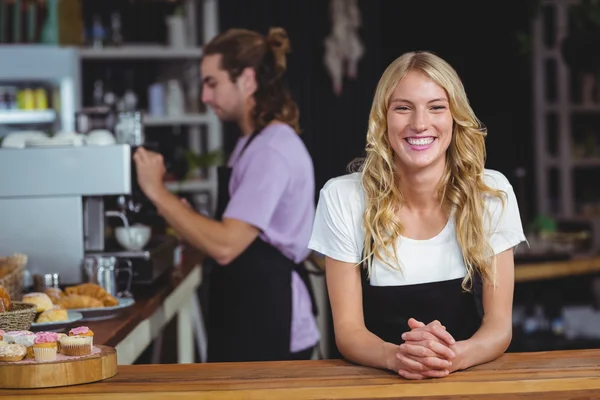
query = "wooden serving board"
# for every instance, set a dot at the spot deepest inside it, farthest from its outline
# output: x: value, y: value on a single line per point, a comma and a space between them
x: 27, y: 375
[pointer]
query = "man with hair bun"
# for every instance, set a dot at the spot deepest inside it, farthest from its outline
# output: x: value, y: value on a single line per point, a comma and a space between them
x: 260, y: 299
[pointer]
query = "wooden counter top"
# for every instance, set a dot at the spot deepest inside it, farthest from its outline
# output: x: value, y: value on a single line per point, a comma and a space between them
x: 547, y: 375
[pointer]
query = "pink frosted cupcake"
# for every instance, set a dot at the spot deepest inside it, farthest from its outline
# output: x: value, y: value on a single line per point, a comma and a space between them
x: 45, y: 346
x: 78, y: 343
x: 83, y: 331
x: 76, y: 346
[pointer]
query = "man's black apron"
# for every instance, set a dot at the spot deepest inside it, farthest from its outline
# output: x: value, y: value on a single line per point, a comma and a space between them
x: 250, y: 300
x: 387, y: 309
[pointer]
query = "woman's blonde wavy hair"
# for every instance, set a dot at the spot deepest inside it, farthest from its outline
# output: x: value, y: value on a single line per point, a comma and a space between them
x: 461, y: 188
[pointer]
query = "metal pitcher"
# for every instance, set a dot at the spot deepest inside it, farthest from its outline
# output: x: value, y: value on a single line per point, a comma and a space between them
x: 104, y: 271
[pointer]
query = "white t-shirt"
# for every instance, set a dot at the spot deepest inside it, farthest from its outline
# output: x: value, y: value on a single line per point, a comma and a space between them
x: 338, y: 233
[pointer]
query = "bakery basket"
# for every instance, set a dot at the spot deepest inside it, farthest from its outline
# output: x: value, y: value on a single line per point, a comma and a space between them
x: 19, y: 318
x: 12, y: 269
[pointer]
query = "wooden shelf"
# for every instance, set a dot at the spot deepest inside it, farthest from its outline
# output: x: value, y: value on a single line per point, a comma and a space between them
x: 556, y: 269
x: 575, y: 108
x: 189, y: 119
x: 192, y: 185
x: 577, y: 163
x: 531, y: 271
x: 27, y: 116
x: 139, y: 52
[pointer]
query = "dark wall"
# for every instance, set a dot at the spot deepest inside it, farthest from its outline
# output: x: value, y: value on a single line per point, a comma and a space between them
x: 477, y: 38
x: 333, y: 128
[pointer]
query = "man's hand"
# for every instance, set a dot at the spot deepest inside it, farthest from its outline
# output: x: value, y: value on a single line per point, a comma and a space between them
x: 150, y: 172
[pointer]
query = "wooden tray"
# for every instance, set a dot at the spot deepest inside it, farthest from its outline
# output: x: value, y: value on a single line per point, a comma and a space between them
x: 96, y: 367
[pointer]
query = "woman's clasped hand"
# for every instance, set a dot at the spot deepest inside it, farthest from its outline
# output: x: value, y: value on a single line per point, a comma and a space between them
x: 428, y: 351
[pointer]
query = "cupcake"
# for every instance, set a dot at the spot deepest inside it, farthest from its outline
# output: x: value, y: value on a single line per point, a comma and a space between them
x: 45, y: 346
x: 83, y: 331
x: 26, y: 339
x: 10, y: 336
x: 1, y: 334
x: 76, y: 345
x: 11, y: 352
x: 60, y: 336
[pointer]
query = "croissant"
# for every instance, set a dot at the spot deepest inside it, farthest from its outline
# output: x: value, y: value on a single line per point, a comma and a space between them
x: 79, y: 301
x: 93, y: 290
x: 109, y: 300
x: 86, y: 289
x: 55, y: 294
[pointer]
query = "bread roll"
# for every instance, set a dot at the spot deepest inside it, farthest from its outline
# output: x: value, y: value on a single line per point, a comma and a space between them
x: 54, y: 314
x: 41, y: 300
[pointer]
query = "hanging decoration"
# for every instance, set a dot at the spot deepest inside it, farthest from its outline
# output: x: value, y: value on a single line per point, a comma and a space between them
x: 343, y: 47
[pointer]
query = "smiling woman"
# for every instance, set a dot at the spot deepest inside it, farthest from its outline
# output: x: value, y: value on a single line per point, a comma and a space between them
x: 431, y: 230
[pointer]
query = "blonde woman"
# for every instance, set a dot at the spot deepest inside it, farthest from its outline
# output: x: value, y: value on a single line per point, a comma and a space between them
x: 419, y: 242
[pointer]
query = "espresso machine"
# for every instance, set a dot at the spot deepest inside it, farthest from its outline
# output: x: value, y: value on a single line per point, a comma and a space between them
x: 57, y: 203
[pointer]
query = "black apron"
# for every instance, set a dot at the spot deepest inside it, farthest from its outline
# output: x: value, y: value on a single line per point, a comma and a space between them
x: 387, y: 309
x: 250, y: 300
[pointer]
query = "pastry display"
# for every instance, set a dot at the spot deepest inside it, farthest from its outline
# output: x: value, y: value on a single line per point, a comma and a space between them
x: 41, y: 300
x: 45, y: 346
x: 53, y: 302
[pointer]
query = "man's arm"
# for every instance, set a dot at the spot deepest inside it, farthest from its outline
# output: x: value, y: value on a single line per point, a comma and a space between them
x: 223, y: 241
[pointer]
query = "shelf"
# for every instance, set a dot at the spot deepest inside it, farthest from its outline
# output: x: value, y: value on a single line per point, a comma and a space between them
x: 139, y: 52
x: 589, y: 162
x: 576, y: 108
x: 193, y: 185
x: 577, y: 163
x: 190, y: 119
x: 27, y: 116
x: 552, y: 53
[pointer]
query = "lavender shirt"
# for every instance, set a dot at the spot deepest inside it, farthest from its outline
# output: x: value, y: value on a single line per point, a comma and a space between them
x: 272, y: 188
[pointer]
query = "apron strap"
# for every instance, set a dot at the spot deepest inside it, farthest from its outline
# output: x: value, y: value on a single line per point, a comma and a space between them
x: 252, y: 137
x: 305, y: 276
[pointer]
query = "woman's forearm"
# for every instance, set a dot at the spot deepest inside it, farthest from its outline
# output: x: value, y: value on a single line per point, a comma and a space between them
x: 363, y: 347
x: 488, y: 343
